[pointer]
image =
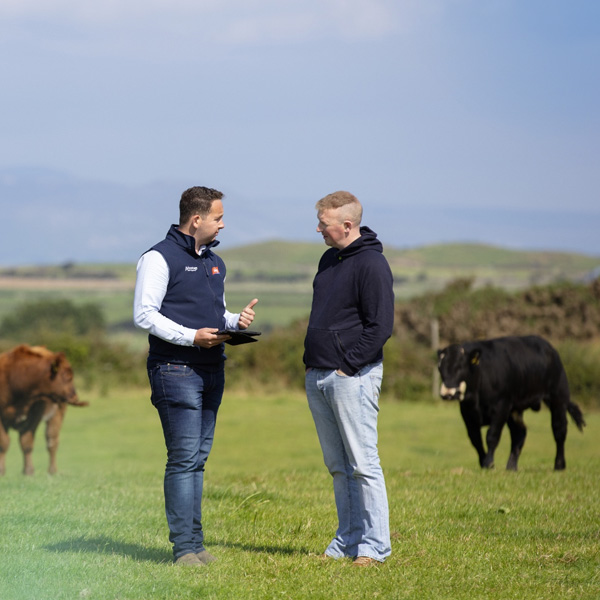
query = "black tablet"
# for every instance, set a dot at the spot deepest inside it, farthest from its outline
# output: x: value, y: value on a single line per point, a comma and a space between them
x: 239, y: 336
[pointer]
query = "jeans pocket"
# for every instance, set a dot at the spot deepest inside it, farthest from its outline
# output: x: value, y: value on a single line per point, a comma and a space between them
x: 342, y: 375
x: 171, y: 383
x: 376, y: 377
x: 173, y: 370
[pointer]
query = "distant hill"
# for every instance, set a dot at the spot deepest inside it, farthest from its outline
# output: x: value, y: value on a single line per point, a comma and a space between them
x: 482, y: 255
x: 88, y: 221
x: 278, y: 258
x: 280, y: 274
x: 432, y: 264
x: 280, y: 253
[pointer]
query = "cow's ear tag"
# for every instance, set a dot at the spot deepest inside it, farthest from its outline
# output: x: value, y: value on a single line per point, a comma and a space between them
x: 475, y: 360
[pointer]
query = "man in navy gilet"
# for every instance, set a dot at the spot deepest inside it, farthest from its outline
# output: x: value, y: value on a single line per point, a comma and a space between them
x: 180, y: 301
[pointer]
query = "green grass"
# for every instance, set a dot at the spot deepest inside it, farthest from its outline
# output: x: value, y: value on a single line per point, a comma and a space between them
x: 97, y: 529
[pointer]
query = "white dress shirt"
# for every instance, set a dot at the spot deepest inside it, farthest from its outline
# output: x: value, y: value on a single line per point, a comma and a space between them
x: 150, y: 289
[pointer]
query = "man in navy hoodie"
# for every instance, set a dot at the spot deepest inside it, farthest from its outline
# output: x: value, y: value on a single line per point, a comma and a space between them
x: 351, y: 318
x: 180, y: 300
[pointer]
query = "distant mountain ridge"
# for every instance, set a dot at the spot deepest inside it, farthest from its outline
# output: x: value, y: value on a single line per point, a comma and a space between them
x: 50, y: 217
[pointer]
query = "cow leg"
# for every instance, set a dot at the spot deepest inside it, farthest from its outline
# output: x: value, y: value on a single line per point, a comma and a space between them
x: 557, y: 402
x: 472, y: 421
x: 492, y: 439
x: 27, y: 434
x: 559, y: 429
x: 53, y: 427
x: 493, y: 435
x: 518, y: 433
x: 26, y: 440
x: 4, y: 445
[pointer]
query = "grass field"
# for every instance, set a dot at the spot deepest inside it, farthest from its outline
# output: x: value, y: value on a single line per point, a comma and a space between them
x: 97, y: 529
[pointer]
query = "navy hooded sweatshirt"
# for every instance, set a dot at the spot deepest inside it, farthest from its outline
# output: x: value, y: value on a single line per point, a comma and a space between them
x: 194, y: 298
x: 352, y: 313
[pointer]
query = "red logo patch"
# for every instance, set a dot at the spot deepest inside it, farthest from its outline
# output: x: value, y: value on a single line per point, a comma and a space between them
x: 215, y: 271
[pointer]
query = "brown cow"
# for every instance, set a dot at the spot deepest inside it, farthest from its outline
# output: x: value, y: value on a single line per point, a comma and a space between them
x: 36, y: 385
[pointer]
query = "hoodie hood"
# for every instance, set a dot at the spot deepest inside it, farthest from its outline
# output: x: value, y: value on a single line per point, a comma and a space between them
x: 367, y: 241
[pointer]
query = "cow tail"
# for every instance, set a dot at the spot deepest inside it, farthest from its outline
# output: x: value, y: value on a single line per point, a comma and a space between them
x: 576, y: 414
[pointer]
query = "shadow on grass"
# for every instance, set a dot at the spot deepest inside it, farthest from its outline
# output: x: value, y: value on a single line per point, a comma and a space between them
x: 263, y: 549
x: 105, y: 545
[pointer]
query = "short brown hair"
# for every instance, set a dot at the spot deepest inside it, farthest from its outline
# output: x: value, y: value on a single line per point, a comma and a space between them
x: 197, y: 201
x: 342, y: 199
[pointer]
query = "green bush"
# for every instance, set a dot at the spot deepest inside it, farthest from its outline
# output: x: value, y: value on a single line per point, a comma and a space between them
x: 566, y: 313
x: 581, y: 363
x: 407, y: 370
x: 79, y: 332
x: 48, y: 316
x: 275, y: 362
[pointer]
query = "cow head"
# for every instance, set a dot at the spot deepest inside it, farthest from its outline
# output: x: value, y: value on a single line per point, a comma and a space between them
x: 61, y: 381
x: 456, y: 369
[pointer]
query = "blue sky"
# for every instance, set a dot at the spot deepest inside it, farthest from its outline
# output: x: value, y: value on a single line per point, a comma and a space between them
x: 479, y: 105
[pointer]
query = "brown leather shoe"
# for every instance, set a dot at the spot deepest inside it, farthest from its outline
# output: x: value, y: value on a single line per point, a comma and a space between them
x: 206, y: 557
x: 365, y: 561
x: 189, y: 560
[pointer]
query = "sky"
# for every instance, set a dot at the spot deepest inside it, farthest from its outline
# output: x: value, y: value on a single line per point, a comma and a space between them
x: 430, y: 111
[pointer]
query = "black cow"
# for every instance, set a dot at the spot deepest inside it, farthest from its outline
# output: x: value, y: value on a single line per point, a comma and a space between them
x: 496, y: 380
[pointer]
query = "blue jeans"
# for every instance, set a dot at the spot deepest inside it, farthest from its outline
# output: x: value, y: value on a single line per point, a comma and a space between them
x: 187, y: 399
x: 345, y: 412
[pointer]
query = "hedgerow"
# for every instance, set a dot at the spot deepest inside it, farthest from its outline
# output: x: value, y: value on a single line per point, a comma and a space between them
x: 567, y: 314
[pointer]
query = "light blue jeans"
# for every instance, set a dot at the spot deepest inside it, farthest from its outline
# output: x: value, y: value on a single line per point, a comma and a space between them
x: 345, y: 411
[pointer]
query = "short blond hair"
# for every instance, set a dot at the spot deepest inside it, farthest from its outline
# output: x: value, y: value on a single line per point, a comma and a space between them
x: 352, y: 207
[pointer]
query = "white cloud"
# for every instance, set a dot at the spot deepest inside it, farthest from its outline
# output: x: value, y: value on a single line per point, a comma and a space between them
x: 229, y: 21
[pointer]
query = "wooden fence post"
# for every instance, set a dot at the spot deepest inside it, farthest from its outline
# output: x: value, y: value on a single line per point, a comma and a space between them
x: 435, y: 344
